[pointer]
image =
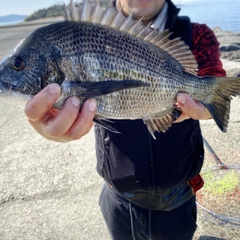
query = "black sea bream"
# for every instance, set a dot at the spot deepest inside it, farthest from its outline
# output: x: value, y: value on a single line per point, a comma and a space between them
x: 133, y: 71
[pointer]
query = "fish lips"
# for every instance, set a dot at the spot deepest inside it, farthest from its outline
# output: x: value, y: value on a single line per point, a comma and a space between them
x: 5, y: 88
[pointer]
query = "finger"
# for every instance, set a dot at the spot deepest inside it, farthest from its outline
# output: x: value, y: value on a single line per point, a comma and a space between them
x: 37, y: 107
x: 193, y: 109
x: 84, y: 120
x: 58, y: 126
x: 181, y: 118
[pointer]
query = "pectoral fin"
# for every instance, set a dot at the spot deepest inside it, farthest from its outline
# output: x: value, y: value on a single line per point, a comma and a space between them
x: 94, y: 89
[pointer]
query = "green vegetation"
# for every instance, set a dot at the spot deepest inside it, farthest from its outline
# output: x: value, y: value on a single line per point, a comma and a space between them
x: 220, y: 183
x: 54, y: 11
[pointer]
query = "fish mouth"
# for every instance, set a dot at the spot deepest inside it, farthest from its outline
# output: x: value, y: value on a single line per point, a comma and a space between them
x: 5, y: 88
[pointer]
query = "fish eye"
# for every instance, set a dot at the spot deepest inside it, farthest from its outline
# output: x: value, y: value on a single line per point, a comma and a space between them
x: 18, y: 63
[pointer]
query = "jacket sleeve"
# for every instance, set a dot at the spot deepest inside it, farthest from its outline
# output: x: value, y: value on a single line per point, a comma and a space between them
x: 205, y: 48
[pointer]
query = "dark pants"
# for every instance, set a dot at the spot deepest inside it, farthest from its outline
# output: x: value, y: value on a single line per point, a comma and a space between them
x: 127, y: 221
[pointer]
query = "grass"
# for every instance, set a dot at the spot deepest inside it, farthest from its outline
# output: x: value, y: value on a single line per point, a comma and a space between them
x: 220, y: 182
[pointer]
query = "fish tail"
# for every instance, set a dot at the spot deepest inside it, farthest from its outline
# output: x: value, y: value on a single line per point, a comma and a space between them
x: 220, y: 100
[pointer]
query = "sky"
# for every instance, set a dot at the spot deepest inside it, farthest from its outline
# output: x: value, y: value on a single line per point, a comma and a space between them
x: 27, y: 7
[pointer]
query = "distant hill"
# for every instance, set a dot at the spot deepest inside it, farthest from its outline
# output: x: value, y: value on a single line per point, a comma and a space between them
x: 53, y: 11
x: 12, y: 18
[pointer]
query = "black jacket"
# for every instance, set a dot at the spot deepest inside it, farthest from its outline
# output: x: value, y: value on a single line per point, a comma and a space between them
x: 133, y: 160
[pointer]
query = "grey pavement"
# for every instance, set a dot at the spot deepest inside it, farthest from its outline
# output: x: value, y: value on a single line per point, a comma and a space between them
x: 50, y: 190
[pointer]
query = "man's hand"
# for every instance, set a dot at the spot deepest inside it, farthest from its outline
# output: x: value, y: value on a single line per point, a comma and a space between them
x: 64, y: 125
x: 191, y: 109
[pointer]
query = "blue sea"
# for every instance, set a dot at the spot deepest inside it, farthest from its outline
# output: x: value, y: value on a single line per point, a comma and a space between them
x: 9, y: 23
x: 215, y: 13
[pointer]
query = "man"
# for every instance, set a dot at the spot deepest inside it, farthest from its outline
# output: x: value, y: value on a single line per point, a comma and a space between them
x: 150, y: 184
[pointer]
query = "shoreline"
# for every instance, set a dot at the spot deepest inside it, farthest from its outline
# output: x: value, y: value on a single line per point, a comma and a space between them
x: 34, y: 22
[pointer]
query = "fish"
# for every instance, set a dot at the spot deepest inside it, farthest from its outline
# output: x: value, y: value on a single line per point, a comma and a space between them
x: 133, y: 71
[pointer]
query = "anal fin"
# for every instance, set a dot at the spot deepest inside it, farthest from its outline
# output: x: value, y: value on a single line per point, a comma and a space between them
x: 162, y: 123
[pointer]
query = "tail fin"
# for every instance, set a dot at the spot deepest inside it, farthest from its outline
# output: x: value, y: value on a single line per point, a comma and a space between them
x: 219, y: 105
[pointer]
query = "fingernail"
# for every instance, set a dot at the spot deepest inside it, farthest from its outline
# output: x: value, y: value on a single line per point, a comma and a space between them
x: 54, y: 89
x: 92, y: 105
x: 181, y: 99
x: 75, y: 101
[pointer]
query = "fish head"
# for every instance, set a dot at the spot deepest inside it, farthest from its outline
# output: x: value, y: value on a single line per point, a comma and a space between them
x: 29, y: 67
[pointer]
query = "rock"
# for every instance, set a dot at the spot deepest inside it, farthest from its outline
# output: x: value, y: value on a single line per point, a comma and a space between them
x: 229, y: 44
x: 231, y: 55
x: 217, y: 29
x: 230, y: 51
x: 233, y: 73
x: 229, y: 47
x: 232, y: 68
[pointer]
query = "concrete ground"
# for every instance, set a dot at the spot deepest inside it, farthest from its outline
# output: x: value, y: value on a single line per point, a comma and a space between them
x: 50, y: 190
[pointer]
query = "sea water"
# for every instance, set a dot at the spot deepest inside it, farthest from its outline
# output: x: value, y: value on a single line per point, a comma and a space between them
x: 215, y: 13
x: 9, y: 23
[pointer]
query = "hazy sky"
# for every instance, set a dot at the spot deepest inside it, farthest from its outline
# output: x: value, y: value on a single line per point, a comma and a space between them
x: 26, y: 7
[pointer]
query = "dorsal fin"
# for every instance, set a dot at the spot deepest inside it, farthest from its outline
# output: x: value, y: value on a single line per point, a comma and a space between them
x: 66, y: 14
x: 97, y: 12
x: 111, y: 17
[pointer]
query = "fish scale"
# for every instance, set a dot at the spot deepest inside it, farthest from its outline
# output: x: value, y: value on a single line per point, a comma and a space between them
x: 125, y: 70
x: 133, y: 71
